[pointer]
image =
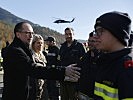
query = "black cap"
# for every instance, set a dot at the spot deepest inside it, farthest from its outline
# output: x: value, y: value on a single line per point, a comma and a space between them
x: 118, y: 23
x: 50, y: 38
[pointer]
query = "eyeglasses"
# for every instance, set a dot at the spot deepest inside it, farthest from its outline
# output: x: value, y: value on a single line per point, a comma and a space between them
x: 27, y: 33
x: 99, y: 31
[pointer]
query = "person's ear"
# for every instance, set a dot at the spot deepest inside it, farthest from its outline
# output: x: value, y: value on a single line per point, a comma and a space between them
x: 17, y: 34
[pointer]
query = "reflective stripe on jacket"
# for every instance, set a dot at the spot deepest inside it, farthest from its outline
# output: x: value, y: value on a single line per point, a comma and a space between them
x: 106, y: 92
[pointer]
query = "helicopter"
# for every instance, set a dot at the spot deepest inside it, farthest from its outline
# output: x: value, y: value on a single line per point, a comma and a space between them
x: 63, y: 21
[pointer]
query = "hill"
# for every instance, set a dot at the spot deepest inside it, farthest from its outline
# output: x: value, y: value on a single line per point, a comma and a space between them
x: 8, y: 21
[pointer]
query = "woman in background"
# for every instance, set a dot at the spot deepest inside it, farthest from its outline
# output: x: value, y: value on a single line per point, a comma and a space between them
x: 39, y: 87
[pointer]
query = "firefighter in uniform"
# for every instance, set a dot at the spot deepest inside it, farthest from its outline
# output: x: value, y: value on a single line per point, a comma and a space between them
x: 70, y: 53
x: 52, y: 55
x: 114, y: 79
x: 88, y: 70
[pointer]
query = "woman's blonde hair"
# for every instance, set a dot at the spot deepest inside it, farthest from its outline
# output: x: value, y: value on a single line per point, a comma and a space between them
x: 35, y: 38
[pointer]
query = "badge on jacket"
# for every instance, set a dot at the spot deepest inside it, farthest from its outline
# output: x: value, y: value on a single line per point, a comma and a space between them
x: 128, y: 64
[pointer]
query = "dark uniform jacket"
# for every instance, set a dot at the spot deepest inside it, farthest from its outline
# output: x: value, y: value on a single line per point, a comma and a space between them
x: 18, y: 67
x: 88, y: 72
x: 52, y: 55
x: 72, y: 54
x: 114, y: 80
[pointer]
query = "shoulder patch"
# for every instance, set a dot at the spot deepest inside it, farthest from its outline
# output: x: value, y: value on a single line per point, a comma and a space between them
x: 128, y: 64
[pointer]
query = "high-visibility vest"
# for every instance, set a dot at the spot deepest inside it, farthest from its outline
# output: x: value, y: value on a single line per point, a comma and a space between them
x: 107, y: 92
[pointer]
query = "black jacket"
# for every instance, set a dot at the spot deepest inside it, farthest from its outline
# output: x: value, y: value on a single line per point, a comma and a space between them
x: 52, y: 55
x: 114, y: 78
x: 18, y: 67
x: 72, y: 54
x: 88, y: 73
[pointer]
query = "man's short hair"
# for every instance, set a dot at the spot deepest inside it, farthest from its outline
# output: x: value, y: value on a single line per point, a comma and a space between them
x: 69, y: 28
x: 18, y: 27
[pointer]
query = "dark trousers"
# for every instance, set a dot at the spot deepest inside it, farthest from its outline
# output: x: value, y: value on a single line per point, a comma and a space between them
x: 68, y: 91
x: 53, y: 90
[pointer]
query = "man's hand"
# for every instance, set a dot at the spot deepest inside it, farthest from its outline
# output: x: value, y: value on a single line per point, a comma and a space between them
x: 71, y: 79
x: 72, y: 73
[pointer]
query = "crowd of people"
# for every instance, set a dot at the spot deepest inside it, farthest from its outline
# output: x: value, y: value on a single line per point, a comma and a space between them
x: 101, y: 71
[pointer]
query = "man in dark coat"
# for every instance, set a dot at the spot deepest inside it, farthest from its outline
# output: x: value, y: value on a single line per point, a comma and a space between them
x: 70, y: 52
x: 19, y: 66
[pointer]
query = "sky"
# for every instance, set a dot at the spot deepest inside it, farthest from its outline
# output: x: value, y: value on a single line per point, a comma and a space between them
x: 85, y: 12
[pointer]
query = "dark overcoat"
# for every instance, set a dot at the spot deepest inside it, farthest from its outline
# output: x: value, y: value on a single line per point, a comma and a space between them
x: 18, y: 67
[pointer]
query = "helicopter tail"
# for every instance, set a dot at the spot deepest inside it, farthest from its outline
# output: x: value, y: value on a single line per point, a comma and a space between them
x: 72, y: 19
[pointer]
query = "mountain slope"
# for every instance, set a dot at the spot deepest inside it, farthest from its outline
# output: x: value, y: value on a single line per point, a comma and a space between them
x: 8, y: 20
